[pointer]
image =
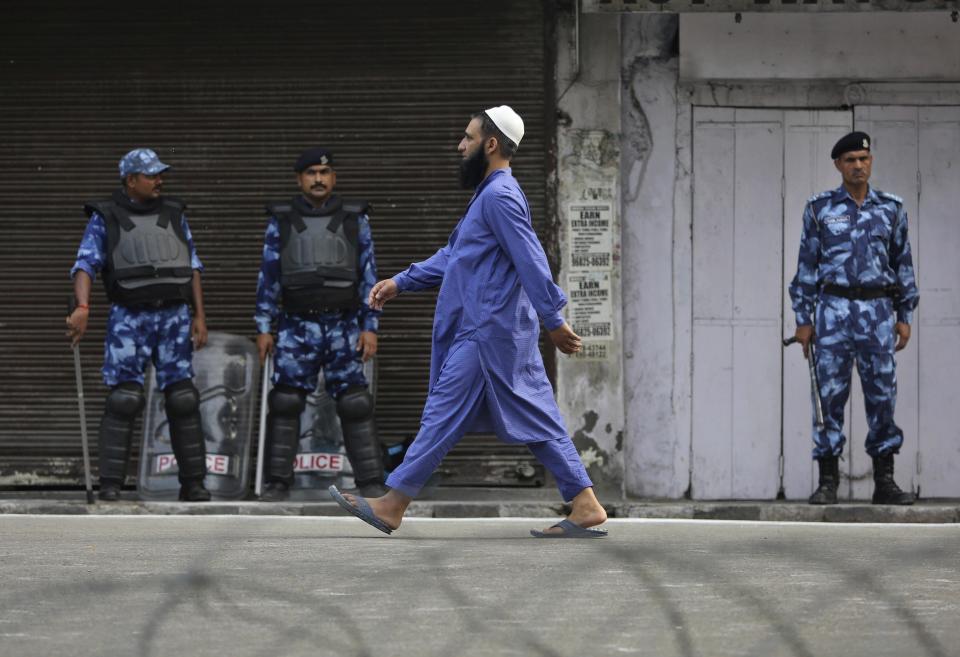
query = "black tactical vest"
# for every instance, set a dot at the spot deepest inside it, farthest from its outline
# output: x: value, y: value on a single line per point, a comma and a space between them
x: 147, y: 258
x: 319, y: 254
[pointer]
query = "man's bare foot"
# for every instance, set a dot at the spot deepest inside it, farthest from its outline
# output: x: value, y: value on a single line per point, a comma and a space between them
x: 587, y: 512
x: 389, y: 508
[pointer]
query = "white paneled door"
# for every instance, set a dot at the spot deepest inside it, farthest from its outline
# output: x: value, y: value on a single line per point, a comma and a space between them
x: 746, y: 164
x: 917, y: 156
x: 894, y: 134
x: 753, y: 172
x: 809, y: 170
x: 749, y: 165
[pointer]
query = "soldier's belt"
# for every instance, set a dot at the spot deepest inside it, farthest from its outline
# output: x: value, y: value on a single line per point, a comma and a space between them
x: 154, y: 305
x: 316, y: 312
x: 859, y: 293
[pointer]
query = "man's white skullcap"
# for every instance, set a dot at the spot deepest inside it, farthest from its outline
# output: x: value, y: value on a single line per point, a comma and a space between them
x: 508, y: 121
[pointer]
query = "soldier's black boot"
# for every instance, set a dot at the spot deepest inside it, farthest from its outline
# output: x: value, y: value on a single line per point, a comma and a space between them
x: 124, y: 404
x: 372, y: 489
x: 355, y: 409
x: 186, y: 436
x: 885, y: 489
x: 826, y: 492
x: 275, y: 491
x: 194, y: 491
x: 283, y: 438
x: 109, y: 490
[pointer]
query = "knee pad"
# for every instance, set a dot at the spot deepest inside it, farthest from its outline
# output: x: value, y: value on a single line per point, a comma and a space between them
x: 355, y: 404
x: 125, y: 400
x: 182, y: 398
x: 287, y: 400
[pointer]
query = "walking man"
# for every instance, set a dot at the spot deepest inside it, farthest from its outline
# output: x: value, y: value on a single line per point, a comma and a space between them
x: 854, y: 295
x: 486, y: 373
x: 318, y: 265
x: 142, y: 244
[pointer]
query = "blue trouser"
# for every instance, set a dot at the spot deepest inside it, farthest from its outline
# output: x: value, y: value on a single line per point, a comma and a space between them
x: 453, y: 406
x: 862, y: 330
x: 137, y: 336
x: 308, y: 343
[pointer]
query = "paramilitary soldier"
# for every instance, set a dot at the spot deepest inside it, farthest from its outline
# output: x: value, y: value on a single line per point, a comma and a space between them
x: 854, y: 295
x: 141, y: 243
x: 318, y: 263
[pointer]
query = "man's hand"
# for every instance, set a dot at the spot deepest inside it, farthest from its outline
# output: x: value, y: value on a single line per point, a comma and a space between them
x: 382, y: 292
x: 198, y: 331
x: 804, y: 336
x: 77, y: 325
x: 367, y: 344
x: 902, y: 329
x: 264, y: 346
x: 565, y: 339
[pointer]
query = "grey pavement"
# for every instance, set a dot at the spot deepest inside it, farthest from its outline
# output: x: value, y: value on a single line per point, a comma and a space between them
x: 274, y: 585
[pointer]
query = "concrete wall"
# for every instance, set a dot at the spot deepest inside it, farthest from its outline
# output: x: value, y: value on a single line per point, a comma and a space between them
x: 655, y: 263
x: 629, y: 411
x: 862, y: 46
x: 590, y: 390
x: 768, y: 60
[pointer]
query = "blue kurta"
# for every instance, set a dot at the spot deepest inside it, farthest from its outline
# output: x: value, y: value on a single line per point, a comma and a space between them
x: 494, y: 283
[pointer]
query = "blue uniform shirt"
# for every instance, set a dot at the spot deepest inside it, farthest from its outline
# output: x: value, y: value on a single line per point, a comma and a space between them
x: 269, y: 288
x: 854, y: 247
x: 92, y: 254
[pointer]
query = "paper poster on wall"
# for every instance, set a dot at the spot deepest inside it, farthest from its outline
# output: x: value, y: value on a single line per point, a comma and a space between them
x: 592, y: 351
x: 591, y: 236
x: 590, y: 310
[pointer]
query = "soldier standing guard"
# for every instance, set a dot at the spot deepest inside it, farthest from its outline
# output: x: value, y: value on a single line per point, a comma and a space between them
x: 142, y: 244
x: 854, y: 294
x: 318, y: 263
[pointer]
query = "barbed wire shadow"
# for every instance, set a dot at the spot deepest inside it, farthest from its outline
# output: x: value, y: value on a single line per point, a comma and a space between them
x: 347, y: 628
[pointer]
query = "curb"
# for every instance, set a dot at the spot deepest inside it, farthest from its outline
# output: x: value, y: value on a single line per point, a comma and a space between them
x: 739, y: 511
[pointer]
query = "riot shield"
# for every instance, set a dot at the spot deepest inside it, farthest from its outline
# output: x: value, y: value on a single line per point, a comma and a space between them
x: 226, y: 372
x: 321, y: 457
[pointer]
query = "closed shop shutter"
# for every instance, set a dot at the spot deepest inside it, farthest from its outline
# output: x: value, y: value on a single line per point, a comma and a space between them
x: 229, y: 93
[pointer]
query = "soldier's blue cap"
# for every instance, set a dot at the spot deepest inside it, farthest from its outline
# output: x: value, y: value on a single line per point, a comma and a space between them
x: 311, y: 156
x: 141, y: 160
x: 855, y: 141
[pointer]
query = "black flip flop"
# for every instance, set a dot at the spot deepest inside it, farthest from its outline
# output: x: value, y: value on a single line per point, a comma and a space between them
x: 570, y: 530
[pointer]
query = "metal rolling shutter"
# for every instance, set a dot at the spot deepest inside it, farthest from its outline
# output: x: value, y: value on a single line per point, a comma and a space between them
x: 229, y: 93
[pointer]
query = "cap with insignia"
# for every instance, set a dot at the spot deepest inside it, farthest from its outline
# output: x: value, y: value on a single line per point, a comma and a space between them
x: 313, y: 156
x: 855, y: 141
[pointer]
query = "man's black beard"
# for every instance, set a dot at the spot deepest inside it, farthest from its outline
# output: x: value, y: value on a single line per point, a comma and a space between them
x: 473, y: 168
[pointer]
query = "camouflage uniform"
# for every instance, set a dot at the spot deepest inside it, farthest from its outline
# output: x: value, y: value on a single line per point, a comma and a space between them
x: 855, y: 247
x: 308, y: 342
x: 136, y: 335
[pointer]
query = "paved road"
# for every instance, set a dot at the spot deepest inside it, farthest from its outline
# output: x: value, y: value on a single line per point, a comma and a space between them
x: 237, y: 586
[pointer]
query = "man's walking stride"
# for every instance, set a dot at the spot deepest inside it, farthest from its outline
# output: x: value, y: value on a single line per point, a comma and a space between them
x: 486, y: 372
